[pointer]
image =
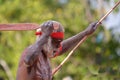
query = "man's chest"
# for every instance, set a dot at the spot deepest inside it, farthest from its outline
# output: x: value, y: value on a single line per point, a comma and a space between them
x: 42, y: 68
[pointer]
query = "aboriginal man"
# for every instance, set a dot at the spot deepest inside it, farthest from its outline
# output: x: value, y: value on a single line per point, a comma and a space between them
x: 35, y: 60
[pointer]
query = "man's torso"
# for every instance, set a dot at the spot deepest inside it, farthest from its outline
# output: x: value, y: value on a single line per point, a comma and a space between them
x: 40, y: 70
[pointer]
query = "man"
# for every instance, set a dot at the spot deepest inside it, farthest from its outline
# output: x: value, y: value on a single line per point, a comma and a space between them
x: 34, y: 63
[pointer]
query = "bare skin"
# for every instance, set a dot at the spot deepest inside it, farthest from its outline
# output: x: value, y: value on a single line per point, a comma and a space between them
x: 34, y: 63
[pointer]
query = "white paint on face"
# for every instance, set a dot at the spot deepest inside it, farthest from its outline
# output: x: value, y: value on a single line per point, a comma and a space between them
x: 37, y: 36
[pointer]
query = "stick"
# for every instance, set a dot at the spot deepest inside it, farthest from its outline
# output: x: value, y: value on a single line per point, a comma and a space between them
x: 18, y: 26
x: 108, y: 13
x: 71, y: 52
x: 84, y: 38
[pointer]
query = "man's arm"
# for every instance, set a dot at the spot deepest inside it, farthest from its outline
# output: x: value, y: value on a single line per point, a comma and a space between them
x: 72, y: 41
x: 34, y: 50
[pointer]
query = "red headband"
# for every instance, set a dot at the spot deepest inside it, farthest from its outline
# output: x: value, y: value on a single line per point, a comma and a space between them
x: 53, y: 35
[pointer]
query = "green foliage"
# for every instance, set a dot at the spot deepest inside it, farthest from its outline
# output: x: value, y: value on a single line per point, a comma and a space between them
x: 92, y: 61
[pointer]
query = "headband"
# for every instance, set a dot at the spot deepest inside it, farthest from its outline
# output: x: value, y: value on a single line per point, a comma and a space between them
x: 53, y: 35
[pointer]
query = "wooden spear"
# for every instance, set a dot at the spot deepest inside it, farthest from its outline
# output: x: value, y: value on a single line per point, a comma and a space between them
x: 84, y: 38
x: 18, y: 26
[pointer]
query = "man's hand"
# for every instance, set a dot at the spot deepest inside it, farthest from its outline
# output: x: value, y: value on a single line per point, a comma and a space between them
x: 91, y: 28
x: 47, y: 28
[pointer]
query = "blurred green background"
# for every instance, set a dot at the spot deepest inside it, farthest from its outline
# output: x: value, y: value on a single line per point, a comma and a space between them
x: 98, y: 58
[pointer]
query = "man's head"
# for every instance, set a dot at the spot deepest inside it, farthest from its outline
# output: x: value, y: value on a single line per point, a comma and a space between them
x: 55, y: 39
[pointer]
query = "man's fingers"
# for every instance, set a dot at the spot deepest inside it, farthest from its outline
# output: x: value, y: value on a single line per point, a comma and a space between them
x: 50, y: 24
x: 95, y: 25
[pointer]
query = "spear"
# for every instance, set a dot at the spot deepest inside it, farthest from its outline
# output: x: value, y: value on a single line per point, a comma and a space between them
x: 84, y: 38
x: 18, y: 26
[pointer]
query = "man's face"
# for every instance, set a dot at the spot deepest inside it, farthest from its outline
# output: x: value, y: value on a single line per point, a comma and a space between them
x: 54, y: 41
x: 52, y: 46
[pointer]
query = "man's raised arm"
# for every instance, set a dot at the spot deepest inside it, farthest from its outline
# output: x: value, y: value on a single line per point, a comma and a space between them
x: 72, y: 41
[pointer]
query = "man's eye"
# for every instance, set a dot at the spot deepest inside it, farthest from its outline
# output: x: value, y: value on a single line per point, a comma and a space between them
x: 60, y: 40
x: 57, y: 40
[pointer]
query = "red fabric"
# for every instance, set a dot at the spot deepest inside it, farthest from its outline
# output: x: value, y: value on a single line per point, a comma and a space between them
x: 38, y: 33
x: 53, y: 35
x: 57, y: 35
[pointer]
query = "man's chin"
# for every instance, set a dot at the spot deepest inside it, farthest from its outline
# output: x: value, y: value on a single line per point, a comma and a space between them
x: 50, y: 55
